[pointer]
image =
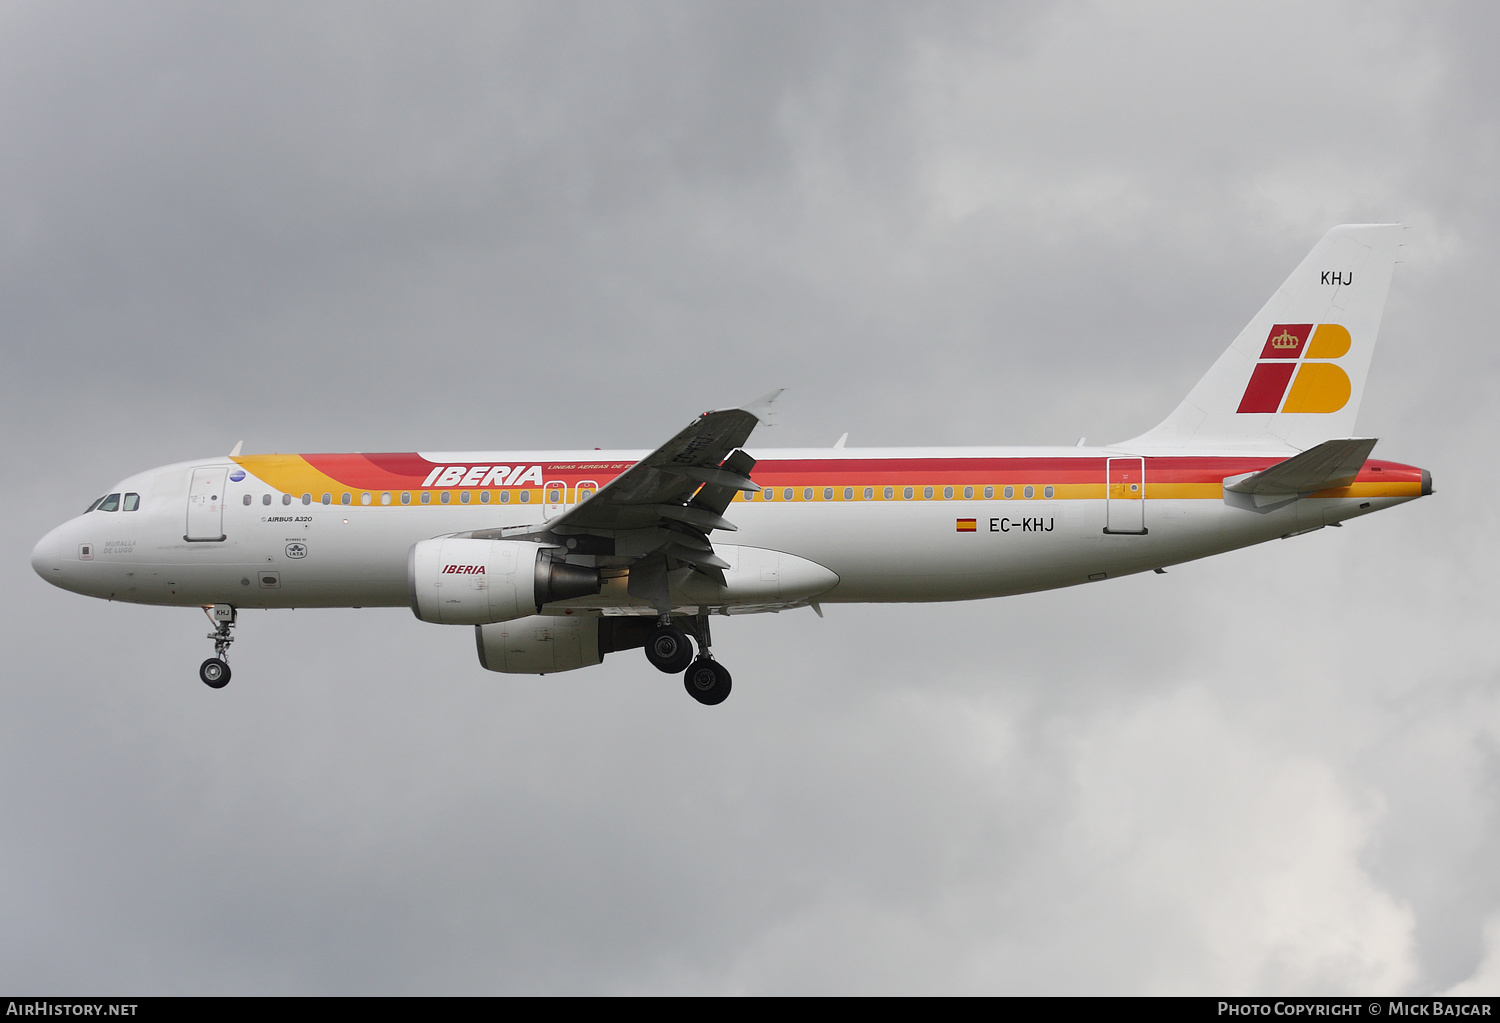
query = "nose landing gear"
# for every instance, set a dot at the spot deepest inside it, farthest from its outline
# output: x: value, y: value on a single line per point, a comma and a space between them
x: 214, y: 672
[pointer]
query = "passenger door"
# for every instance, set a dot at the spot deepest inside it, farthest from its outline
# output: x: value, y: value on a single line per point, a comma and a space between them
x: 205, y: 510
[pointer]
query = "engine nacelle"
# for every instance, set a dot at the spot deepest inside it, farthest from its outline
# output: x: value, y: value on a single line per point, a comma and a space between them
x: 473, y: 582
x: 542, y: 644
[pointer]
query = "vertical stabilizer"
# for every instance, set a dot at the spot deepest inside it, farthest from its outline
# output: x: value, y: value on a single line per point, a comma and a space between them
x: 1295, y: 375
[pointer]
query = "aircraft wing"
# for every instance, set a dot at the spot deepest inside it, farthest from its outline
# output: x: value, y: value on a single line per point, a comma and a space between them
x: 690, y: 479
x: 656, y: 516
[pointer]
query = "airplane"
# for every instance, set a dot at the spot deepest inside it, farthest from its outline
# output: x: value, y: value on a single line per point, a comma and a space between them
x: 556, y: 559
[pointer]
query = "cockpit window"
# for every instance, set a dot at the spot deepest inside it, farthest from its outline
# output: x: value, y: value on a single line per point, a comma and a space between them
x: 132, y: 502
x: 97, y: 502
x: 110, y: 503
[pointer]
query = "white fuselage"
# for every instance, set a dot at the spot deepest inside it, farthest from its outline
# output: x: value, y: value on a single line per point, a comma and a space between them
x: 282, y: 546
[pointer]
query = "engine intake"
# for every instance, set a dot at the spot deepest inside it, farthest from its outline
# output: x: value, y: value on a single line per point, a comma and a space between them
x: 474, y: 582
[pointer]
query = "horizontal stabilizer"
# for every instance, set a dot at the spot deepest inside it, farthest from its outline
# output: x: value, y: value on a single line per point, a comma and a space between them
x: 1333, y: 463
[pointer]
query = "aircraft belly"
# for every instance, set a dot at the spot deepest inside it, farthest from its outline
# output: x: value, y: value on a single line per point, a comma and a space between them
x: 917, y: 552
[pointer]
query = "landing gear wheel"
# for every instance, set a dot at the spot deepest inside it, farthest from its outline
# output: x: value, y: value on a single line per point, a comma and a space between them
x: 707, y: 681
x: 214, y: 673
x: 669, y: 649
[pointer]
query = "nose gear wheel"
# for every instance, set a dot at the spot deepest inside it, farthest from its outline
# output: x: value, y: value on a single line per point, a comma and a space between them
x: 214, y: 672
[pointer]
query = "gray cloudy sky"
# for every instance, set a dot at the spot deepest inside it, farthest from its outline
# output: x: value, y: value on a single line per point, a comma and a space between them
x: 392, y: 227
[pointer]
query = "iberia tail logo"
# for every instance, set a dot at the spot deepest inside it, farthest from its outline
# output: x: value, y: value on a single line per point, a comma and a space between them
x: 1305, y: 358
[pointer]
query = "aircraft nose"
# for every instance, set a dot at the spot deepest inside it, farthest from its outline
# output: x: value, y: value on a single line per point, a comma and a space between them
x: 45, y: 557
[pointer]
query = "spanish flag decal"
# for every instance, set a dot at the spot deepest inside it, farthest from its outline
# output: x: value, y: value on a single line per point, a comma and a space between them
x: 966, y: 525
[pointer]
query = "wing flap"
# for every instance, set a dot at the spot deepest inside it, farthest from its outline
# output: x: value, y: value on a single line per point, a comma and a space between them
x: 716, y: 498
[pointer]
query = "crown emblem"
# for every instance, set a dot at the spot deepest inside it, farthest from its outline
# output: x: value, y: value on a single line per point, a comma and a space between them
x: 1285, y: 340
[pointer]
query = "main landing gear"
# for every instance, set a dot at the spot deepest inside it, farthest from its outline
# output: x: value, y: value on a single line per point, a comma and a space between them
x: 215, y: 671
x: 669, y: 650
x: 707, y: 681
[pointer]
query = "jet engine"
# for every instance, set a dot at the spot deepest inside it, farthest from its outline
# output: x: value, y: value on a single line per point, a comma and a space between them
x: 542, y: 644
x: 473, y: 582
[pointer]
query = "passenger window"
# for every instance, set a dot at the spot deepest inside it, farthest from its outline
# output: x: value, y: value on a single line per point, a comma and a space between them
x: 869, y: 493
x: 828, y: 493
x: 989, y: 492
x: 1009, y: 493
x: 132, y: 502
x: 110, y: 503
x: 1029, y: 493
x: 505, y: 497
x: 327, y: 498
x: 247, y: 500
x: 426, y: 497
x: 525, y: 497
x: 968, y: 493
x: 906, y: 494
x: 265, y: 499
x: 484, y: 497
x: 890, y: 492
x: 463, y: 497
x: 364, y: 498
x: 848, y: 493
x: 307, y: 499
x: 346, y: 498
x: 406, y: 497
x: 807, y: 494
x: 947, y: 493
x: 385, y: 498
x: 786, y: 495
x: 286, y: 499
x: 769, y: 494
x: 446, y: 497
x: 1047, y: 492
x: 927, y: 493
